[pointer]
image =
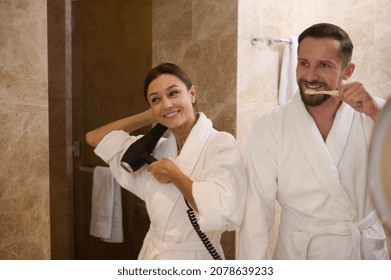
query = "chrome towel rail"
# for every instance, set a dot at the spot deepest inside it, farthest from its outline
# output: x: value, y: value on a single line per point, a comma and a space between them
x: 269, y: 41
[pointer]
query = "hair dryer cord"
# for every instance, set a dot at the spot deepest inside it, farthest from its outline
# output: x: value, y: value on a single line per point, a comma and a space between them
x: 208, y: 245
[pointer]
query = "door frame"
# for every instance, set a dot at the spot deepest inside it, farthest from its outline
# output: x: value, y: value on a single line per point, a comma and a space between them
x: 59, y: 21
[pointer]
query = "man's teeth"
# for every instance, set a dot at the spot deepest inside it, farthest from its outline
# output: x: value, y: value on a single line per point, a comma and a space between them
x: 313, y: 87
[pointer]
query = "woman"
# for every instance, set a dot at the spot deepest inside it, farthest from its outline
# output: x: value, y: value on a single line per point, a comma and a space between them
x: 196, y: 164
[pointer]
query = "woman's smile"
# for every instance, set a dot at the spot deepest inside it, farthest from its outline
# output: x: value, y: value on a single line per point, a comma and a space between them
x: 171, y: 114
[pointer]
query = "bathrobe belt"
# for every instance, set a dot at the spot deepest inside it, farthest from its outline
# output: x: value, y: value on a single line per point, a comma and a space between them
x: 160, y: 246
x: 341, y: 228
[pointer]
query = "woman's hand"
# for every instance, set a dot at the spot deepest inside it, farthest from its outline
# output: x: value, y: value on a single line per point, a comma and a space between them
x: 163, y: 170
x: 166, y: 171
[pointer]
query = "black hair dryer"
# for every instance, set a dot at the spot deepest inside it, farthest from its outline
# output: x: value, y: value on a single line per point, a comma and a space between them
x: 140, y: 151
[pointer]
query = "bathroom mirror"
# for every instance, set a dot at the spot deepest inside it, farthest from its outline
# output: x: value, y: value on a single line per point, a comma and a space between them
x: 379, y: 172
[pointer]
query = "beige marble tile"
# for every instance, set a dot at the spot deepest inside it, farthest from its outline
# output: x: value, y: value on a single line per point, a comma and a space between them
x: 210, y: 64
x: 24, y: 186
x: 258, y: 72
x: 172, y: 20
x: 375, y: 78
x: 22, y: 13
x: 382, y: 11
x: 215, y: 19
x: 249, y: 21
x: 23, y: 67
x: 24, y: 179
x: 223, y: 115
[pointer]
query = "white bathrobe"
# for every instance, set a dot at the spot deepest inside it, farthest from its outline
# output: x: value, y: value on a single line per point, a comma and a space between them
x: 213, y: 161
x: 321, y: 187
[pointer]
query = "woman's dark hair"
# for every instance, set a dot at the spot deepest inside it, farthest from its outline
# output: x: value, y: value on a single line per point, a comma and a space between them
x: 328, y: 30
x: 166, y: 68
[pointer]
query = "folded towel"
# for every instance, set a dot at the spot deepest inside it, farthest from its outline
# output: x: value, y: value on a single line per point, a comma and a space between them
x: 106, y: 207
x: 288, y: 84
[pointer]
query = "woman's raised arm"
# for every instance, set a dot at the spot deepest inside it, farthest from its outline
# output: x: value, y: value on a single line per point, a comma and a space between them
x: 128, y: 124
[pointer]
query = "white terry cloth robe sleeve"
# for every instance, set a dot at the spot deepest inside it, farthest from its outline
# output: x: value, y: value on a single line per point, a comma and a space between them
x: 321, y: 187
x: 213, y: 162
x: 219, y: 188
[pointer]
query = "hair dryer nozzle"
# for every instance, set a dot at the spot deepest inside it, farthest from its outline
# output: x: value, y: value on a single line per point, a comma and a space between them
x: 126, y: 166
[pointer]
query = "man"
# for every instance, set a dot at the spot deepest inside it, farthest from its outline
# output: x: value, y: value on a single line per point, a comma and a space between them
x: 311, y: 156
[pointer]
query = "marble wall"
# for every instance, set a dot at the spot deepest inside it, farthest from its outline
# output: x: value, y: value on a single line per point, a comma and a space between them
x: 24, y: 151
x: 201, y: 37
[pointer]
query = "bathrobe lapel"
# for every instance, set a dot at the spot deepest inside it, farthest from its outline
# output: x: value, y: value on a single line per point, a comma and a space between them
x: 194, y: 145
x: 339, y: 133
x: 165, y: 195
x: 324, y: 158
x: 168, y: 195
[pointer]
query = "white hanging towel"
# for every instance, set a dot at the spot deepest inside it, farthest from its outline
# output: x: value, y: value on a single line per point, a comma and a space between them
x: 288, y: 84
x: 106, y: 207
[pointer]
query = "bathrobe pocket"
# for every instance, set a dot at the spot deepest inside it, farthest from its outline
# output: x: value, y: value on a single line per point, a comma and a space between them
x: 290, y: 243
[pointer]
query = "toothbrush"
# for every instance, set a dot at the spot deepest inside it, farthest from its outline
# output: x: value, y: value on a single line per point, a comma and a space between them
x: 330, y: 92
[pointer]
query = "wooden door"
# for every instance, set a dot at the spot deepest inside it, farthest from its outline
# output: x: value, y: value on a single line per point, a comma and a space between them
x: 111, y: 54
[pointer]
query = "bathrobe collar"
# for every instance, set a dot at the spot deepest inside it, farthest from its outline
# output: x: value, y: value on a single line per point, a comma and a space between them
x: 339, y: 133
x: 324, y: 157
x: 168, y: 194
